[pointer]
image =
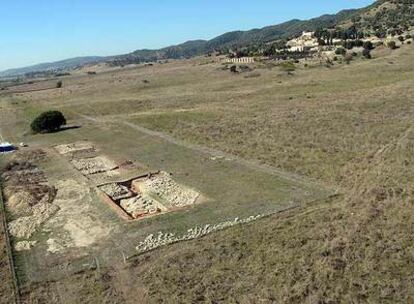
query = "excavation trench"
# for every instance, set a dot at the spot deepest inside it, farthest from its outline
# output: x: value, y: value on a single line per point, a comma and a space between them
x: 147, y: 195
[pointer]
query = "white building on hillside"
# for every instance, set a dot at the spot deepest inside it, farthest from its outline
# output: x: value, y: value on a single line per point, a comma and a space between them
x: 306, y: 41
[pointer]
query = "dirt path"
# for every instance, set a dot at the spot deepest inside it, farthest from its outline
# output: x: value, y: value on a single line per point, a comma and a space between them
x: 254, y: 165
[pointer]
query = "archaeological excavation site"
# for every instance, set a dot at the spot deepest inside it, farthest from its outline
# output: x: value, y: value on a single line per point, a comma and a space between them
x: 149, y: 194
x: 80, y: 204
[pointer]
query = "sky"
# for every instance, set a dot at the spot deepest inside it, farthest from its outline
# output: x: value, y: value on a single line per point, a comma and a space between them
x: 38, y: 31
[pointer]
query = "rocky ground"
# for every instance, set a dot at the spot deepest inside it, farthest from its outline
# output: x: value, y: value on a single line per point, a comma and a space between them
x: 29, y: 200
x: 116, y: 191
x: 73, y: 148
x: 169, y: 191
x: 93, y: 165
x: 139, y: 206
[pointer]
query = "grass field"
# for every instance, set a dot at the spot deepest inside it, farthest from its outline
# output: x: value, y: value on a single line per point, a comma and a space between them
x: 347, y: 128
x: 6, y: 287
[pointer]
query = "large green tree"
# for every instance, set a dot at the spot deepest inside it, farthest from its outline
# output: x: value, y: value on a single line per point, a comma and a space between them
x: 48, y: 122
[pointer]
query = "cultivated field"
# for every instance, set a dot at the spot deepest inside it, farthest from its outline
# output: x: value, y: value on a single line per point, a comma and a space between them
x: 249, y: 144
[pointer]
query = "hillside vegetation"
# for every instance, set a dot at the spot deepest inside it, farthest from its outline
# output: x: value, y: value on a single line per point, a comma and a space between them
x: 237, y: 39
x: 385, y: 16
x: 378, y: 18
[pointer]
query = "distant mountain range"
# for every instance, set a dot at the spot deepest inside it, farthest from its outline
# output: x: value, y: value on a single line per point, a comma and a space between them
x: 381, y: 15
x: 195, y: 47
x: 54, y: 66
x: 238, y: 38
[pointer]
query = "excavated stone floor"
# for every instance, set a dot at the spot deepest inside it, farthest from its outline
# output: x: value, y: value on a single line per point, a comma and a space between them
x: 150, y: 195
x: 93, y: 165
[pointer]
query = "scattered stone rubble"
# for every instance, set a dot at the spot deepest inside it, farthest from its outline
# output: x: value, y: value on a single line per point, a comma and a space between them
x: 31, y: 155
x: 24, y: 227
x: 152, y: 241
x: 150, y: 194
x: 116, y: 191
x: 139, y: 206
x: 88, y: 166
x: 164, y: 187
x: 81, y: 146
x: 28, y: 198
x: 24, y: 245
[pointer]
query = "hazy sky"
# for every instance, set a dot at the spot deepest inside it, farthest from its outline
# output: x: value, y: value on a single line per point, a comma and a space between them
x: 48, y: 30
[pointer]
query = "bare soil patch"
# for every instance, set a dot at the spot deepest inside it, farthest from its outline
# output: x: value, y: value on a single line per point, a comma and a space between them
x: 24, y: 227
x: 74, y: 225
x: 29, y: 198
x: 75, y: 148
x: 93, y: 165
x: 31, y: 155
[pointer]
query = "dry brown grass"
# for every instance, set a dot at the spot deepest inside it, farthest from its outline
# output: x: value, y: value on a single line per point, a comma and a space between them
x: 356, y: 248
x: 349, y: 126
x: 6, y: 286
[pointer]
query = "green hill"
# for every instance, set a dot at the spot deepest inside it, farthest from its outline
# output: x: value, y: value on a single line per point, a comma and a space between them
x: 385, y: 16
x: 237, y: 39
x: 378, y: 18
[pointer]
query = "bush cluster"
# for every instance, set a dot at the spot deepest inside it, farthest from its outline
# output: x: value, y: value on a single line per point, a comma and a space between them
x: 48, y: 122
x: 340, y: 51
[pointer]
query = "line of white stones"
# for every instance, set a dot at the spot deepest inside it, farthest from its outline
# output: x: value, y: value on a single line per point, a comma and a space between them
x: 152, y: 241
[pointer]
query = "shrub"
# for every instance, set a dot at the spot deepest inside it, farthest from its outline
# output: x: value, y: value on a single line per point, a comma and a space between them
x: 48, y: 122
x: 368, y: 45
x: 233, y: 69
x: 347, y: 44
x: 245, y: 68
x: 350, y: 44
x: 340, y: 51
x: 348, y: 58
x: 392, y: 45
x: 366, y: 53
x: 59, y: 84
x: 62, y: 74
x: 401, y: 38
x: 328, y: 62
x: 288, y: 66
x: 381, y: 34
x: 358, y: 43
